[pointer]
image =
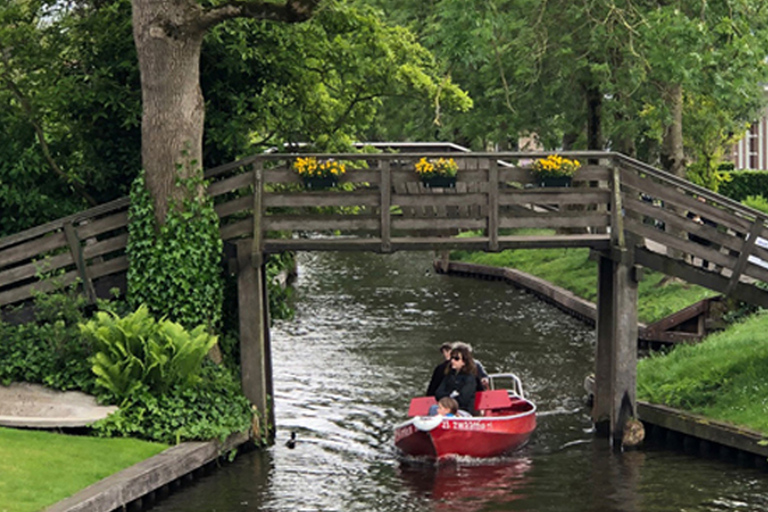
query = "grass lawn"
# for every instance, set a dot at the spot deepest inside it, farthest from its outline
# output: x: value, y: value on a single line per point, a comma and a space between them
x: 573, y: 270
x: 40, y: 468
x: 724, y: 378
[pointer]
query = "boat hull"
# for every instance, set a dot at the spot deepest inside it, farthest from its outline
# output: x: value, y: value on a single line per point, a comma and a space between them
x: 437, y: 437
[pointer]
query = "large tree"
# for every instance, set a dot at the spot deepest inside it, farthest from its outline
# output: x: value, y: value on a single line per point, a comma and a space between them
x: 169, y: 37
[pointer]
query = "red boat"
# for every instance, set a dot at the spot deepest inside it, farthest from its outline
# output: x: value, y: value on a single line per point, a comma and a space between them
x: 504, y: 422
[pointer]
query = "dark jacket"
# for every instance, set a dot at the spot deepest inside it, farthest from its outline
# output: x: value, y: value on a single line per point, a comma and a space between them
x: 465, y: 384
x: 437, y: 378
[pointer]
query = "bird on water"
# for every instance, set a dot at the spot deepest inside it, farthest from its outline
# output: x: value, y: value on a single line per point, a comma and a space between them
x: 291, y: 443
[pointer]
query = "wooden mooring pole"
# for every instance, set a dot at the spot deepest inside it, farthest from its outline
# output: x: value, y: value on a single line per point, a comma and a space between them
x: 616, y: 352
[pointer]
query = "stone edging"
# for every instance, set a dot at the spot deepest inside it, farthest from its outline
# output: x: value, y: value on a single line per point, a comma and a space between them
x: 133, y: 483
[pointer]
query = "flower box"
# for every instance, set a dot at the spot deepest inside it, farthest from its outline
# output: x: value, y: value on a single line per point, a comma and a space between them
x: 439, y: 182
x: 554, y: 171
x: 556, y: 181
x: 318, y: 175
x: 437, y: 173
x: 319, y: 182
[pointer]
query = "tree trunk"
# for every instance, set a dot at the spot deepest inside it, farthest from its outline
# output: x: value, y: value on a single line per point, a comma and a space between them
x: 168, y: 46
x: 673, y: 153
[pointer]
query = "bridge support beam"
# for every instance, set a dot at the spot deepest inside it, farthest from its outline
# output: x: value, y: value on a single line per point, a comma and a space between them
x: 255, y: 351
x: 616, y: 354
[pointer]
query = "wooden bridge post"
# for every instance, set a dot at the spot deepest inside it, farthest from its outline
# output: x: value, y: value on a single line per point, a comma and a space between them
x: 616, y: 352
x: 253, y: 313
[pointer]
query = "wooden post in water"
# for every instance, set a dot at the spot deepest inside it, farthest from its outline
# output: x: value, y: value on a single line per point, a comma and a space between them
x: 253, y: 312
x: 616, y: 353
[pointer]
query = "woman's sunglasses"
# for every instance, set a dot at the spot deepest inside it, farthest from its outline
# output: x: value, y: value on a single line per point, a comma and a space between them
x: 456, y: 358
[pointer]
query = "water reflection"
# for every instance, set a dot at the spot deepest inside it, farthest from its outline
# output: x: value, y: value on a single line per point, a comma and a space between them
x: 467, y: 485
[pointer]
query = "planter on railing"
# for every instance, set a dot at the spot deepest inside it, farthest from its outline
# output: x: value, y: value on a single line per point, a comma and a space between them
x: 439, y: 182
x: 319, y: 182
x: 555, y: 181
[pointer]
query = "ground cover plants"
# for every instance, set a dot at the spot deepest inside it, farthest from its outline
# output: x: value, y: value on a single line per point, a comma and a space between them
x: 573, y: 270
x: 41, y: 468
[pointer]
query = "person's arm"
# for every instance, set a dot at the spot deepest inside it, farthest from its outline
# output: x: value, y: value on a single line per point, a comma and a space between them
x: 434, y: 382
x: 482, y: 376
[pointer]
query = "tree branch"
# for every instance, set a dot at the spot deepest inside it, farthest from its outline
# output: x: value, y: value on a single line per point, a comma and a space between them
x: 292, y: 11
x: 27, y: 108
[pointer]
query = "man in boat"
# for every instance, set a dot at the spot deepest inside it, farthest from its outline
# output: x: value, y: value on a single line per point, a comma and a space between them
x: 439, y: 372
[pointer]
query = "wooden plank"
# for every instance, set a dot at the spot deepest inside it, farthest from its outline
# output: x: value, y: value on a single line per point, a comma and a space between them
x: 29, y: 270
x: 103, y: 225
x: 15, y: 295
x: 239, y: 205
x: 289, y: 176
x: 677, y: 318
x: 319, y: 222
x: 77, y: 256
x: 701, y: 427
x: 554, y: 196
x: 257, y: 243
x: 369, y: 198
x: 385, y: 211
x: 109, y: 267
x: 671, y: 195
x: 749, y: 244
x: 237, y: 229
x: 57, y: 224
x: 110, y: 245
x: 400, y: 223
x: 554, y: 220
x: 231, y: 184
x: 32, y: 249
x: 688, y: 247
x: 443, y: 199
x: 670, y: 218
x: 492, y: 228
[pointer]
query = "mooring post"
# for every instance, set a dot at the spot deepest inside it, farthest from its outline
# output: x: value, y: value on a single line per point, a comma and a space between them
x: 615, y: 394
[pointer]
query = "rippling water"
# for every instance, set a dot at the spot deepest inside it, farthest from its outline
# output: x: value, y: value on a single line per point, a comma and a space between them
x: 365, y: 340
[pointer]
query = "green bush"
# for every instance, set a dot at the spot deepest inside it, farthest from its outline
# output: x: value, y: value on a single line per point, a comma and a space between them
x: 136, y: 351
x: 49, y: 350
x: 213, y: 409
x: 744, y: 183
x: 756, y: 202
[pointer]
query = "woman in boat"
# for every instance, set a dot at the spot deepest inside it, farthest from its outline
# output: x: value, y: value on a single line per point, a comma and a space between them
x: 460, y: 381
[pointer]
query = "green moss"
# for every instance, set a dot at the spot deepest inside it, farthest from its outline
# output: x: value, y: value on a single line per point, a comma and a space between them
x: 41, y: 468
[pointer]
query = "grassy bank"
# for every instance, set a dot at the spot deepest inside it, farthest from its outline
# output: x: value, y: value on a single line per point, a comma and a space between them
x: 724, y: 378
x: 573, y: 270
x: 38, y: 468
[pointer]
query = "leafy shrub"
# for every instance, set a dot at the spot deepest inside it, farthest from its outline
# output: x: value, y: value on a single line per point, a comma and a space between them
x: 213, y: 409
x: 743, y: 184
x: 756, y: 202
x: 136, y: 351
x: 50, y: 350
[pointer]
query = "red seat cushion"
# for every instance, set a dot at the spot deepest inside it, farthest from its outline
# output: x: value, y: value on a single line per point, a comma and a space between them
x: 494, y: 399
x: 420, y: 405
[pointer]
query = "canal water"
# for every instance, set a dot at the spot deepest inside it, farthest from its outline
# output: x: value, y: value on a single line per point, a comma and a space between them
x: 365, y: 339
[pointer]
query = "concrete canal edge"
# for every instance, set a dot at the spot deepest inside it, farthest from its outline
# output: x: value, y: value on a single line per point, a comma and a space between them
x: 670, y: 427
x: 138, y: 486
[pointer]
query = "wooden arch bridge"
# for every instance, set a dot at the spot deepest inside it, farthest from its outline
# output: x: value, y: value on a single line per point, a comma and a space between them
x: 629, y: 214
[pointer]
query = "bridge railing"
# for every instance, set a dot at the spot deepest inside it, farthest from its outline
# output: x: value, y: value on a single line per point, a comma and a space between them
x: 700, y: 225
x: 381, y: 205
